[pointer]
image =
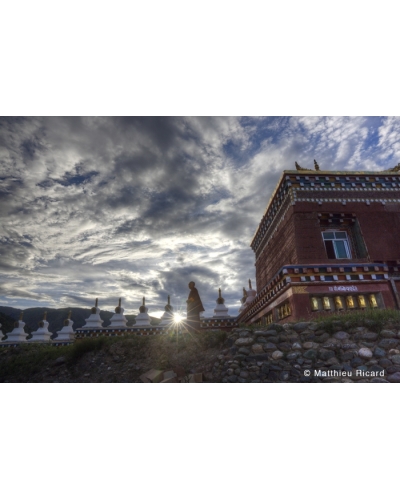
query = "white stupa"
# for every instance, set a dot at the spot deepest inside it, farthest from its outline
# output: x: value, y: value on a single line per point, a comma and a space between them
x: 66, y: 334
x: 221, y: 311
x: 251, y: 295
x: 142, y: 319
x: 42, y: 334
x: 243, y: 301
x: 118, y: 320
x: 18, y: 334
x: 168, y: 317
x: 94, y: 321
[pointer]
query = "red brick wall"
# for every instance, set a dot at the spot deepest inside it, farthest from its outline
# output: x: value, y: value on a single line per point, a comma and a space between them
x: 280, y: 250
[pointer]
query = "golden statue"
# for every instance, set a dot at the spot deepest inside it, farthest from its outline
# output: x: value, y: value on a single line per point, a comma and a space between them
x: 327, y: 303
x: 361, y: 301
x: 372, y: 301
x: 314, y: 304
x: 350, y: 302
x: 338, y: 303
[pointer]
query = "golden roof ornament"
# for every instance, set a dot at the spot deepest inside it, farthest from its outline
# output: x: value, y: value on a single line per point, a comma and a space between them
x: 66, y: 321
x: 316, y: 166
x: 300, y: 168
x: 250, y: 284
x: 94, y: 309
x: 41, y: 323
x: 118, y: 308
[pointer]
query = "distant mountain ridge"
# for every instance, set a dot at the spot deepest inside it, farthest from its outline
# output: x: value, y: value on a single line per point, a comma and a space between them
x: 55, y: 317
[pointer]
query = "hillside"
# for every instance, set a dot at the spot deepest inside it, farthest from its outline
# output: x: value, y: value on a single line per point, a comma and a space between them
x: 357, y: 348
x: 55, y: 317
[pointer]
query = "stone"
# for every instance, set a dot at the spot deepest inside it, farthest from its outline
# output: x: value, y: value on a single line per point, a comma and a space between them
x: 310, y: 354
x: 244, y: 350
x: 59, y: 361
x: 170, y: 380
x: 265, y: 368
x: 388, y: 343
x: 257, y: 348
x: 244, y: 341
x: 300, y: 327
x: 296, y: 346
x: 277, y: 355
x: 379, y: 353
x: 322, y: 338
x: 384, y: 362
x: 377, y: 380
x: 388, y: 334
x: 341, y: 335
x: 232, y: 378
x: 152, y: 376
x: 292, y: 355
x: 269, y: 347
x: 396, y: 359
x: 244, y: 334
x: 261, y: 340
x: 393, y: 369
x: 326, y: 354
x: 369, y: 336
x: 365, y: 353
x: 394, y: 351
x: 395, y: 377
x: 309, y: 345
x: 244, y: 374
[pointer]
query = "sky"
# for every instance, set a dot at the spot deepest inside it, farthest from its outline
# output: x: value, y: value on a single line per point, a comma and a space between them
x: 139, y: 206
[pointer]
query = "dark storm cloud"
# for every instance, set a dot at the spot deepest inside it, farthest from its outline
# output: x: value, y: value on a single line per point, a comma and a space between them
x: 111, y: 207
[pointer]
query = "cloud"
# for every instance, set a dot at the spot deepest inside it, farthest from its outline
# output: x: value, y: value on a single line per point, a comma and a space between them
x: 135, y: 206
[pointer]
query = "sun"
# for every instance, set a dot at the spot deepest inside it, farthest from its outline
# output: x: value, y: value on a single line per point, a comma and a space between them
x: 178, y: 318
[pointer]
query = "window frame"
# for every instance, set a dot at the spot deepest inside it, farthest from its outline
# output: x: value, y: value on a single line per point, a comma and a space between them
x: 346, y: 243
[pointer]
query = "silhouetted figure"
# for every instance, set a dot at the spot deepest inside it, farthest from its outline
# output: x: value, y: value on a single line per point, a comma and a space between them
x: 194, y: 308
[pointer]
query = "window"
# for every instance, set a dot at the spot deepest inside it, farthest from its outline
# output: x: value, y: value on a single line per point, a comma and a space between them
x: 336, y: 244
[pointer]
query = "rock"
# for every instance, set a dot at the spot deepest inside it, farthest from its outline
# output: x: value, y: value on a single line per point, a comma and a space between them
x: 326, y: 354
x: 300, y: 327
x: 322, y: 338
x: 369, y: 336
x: 268, y: 333
x: 309, y: 345
x: 396, y: 359
x: 232, y: 378
x: 365, y: 353
x: 244, y: 341
x: 377, y: 380
x: 395, y: 377
x: 285, y: 376
x: 346, y: 346
x: 257, y: 348
x: 313, y: 326
x: 292, y: 355
x: 388, y: 343
x: 384, y: 362
x: 347, y: 356
x: 244, y: 374
x: 394, y: 351
x: 341, y: 335
x: 379, y: 353
x: 355, y: 361
x: 269, y: 347
x: 388, y: 334
x: 244, y: 333
x: 393, y: 369
x: 244, y: 350
x: 296, y: 346
x: 265, y: 368
x: 86, y: 375
x: 310, y: 354
x: 277, y: 355
x: 59, y: 361
x: 261, y: 340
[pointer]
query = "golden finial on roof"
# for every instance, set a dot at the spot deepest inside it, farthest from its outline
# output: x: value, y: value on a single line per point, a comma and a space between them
x: 69, y: 314
x: 20, y: 316
x: 316, y: 166
x: 169, y: 303
x: 119, y: 302
x: 45, y: 316
x: 219, y: 292
x: 250, y: 284
x: 300, y: 168
x: 144, y: 301
x: 96, y: 303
